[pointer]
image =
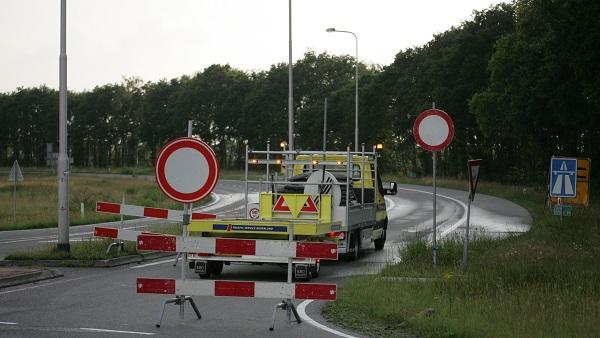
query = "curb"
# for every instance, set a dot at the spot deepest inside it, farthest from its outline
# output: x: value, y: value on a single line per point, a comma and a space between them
x: 101, y: 263
x: 30, y: 277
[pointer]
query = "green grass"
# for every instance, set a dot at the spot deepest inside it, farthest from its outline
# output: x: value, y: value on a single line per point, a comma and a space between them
x: 87, y: 250
x: 37, y: 196
x: 37, y: 199
x: 540, y: 284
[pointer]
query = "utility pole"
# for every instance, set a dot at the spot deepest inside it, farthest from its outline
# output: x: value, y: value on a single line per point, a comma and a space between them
x: 290, y: 86
x: 325, y: 126
x: 63, y: 157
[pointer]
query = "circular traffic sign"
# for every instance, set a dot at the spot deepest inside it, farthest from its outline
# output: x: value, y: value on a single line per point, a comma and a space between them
x: 254, y: 213
x: 186, y: 169
x: 433, y: 130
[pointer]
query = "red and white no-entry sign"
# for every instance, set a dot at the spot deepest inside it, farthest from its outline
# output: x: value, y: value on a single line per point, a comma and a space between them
x: 186, y: 169
x: 433, y: 130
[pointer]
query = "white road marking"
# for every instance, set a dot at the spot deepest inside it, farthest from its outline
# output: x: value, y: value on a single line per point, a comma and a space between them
x: 151, y: 264
x: 306, y: 318
x: 70, y: 240
x: 390, y: 203
x: 117, y: 331
x: 8, y: 323
x: 18, y: 240
x: 457, y: 224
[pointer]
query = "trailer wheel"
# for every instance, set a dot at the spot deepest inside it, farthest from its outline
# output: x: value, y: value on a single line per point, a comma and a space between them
x: 314, y: 273
x: 217, y: 267
x: 212, y: 268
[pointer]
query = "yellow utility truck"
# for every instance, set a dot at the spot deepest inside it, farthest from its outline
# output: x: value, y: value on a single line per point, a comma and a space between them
x: 304, y: 196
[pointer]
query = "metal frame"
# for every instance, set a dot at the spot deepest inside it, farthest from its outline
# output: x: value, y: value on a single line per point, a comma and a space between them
x: 289, y: 160
x: 178, y: 300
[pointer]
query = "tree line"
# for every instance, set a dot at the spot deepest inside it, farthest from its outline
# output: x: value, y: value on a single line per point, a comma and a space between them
x: 519, y: 80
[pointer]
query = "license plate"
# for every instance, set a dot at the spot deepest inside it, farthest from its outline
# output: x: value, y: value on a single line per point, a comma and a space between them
x: 200, y: 267
x: 301, y: 271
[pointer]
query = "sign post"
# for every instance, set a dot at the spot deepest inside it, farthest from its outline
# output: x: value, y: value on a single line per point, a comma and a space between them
x: 563, y: 180
x: 433, y: 131
x: 15, y: 176
x: 473, y: 169
x: 186, y: 171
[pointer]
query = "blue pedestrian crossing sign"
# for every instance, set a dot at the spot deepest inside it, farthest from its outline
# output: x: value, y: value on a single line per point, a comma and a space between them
x: 563, y: 177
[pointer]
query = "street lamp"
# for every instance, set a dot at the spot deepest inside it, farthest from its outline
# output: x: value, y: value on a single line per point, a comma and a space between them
x: 333, y: 30
x: 62, y: 166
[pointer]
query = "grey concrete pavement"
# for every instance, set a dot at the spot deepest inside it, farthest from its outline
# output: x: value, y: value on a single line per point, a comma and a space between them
x: 104, y: 302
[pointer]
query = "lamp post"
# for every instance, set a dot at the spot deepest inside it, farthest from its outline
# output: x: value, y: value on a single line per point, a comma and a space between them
x: 63, y: 157
x: 290, y: 83
x: 333, y: 30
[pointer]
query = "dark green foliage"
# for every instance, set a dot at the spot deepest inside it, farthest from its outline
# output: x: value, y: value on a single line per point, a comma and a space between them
x: 520, y: 81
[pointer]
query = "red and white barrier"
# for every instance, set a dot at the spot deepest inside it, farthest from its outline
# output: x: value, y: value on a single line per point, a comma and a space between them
x: 221, y: 288
x: 125, y: 235
x: 122, y: 234
x: 135, y: 210
x: 232, y: 246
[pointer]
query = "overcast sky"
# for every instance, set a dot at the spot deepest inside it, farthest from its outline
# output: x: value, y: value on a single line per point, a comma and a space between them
x: 156, y: 39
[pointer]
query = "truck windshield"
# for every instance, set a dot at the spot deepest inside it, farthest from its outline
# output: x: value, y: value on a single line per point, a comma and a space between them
x: 334, y: 168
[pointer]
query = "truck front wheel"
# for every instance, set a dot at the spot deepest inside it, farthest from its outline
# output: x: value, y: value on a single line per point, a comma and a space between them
x: 380, y: 242
x: 355, y: 254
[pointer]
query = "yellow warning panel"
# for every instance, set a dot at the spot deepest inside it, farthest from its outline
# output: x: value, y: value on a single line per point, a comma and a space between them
x: 584, y: 167
x: 295, y: 206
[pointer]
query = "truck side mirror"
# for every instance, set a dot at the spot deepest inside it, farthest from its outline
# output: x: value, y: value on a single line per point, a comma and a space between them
x: 390, y: 188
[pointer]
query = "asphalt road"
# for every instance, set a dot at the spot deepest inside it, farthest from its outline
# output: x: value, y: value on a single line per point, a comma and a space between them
x: 100, y: 302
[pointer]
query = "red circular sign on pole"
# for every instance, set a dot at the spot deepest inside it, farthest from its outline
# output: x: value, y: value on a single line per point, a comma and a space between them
x: 433, y: 130
x: 186, y: 169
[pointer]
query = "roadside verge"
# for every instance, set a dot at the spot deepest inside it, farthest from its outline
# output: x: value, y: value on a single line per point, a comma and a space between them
x: 17, y: 272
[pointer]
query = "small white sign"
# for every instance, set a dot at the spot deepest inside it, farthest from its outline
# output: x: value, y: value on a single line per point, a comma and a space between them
x: 15, y: 174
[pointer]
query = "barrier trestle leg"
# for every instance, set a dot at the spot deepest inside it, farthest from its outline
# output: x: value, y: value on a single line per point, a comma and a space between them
x: 290, y: 308
x: 287, y: 304
x: 179, y: 254
x: 178, y: 300
x: 118, y: 244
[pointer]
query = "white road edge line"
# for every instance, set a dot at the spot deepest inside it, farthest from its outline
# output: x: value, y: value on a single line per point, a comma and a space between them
x: 457, y: 224
x: 8, y: 323
x: 392, y: 204
x: 306, y: 318
x: 117, y: 331
x: 18, y: 240
x: 151, y: 264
